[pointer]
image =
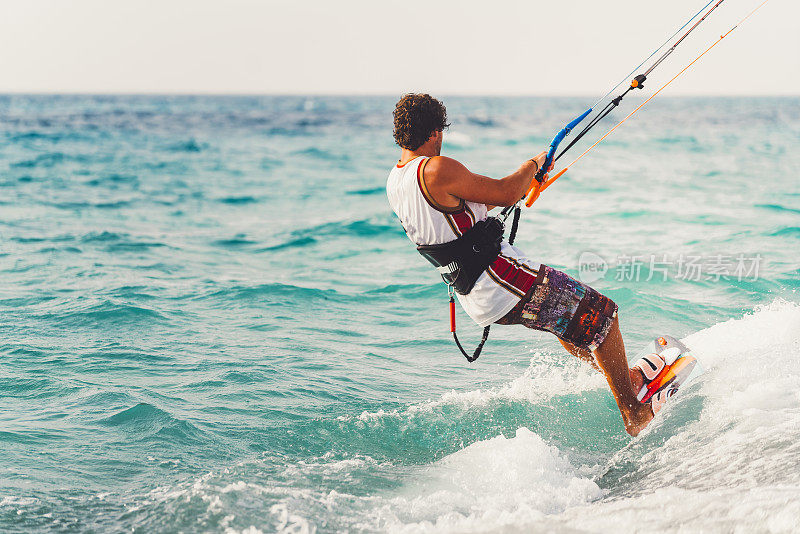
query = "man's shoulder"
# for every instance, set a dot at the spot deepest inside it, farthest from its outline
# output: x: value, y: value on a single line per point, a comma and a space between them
x: 440, y: 166
x: 444, y: 161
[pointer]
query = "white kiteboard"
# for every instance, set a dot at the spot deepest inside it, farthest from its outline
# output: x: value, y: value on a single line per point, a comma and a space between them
x: 667, y: 365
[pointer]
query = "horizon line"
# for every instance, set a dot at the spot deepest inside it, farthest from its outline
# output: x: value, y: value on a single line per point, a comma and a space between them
x: 377, y: 94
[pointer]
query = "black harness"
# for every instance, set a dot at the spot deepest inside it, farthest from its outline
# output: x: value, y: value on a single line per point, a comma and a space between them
x: 461, y: 263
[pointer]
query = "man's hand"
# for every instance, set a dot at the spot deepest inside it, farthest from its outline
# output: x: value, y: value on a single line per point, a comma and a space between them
x: 539, y: 160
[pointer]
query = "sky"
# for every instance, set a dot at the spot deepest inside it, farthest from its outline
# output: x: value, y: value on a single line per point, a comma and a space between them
x: 445, y: 47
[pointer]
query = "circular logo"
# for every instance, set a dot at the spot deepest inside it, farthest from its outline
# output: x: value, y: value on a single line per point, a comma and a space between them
x: 591, y: 267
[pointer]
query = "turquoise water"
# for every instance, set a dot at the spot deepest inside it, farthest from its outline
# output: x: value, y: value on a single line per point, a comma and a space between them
x: 212, y: 322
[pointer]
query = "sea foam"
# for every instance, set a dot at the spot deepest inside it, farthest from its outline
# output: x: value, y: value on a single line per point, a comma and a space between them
x: 732, y: 468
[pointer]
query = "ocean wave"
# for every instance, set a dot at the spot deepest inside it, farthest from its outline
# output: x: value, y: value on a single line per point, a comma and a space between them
x: 358, y: 228
x: 119, y: 241
x: 261, y: 290
x: 492, y: 485
x: 135, y: 246
x: 28, y: 239
x: 30, y: 388
x: 737, y: 443
x: 145, y: 421
x: 114, y: 179
x: 132, y: 292
x: 238, y: 200
x: 740, y: 440
x: 267, y: 163
x: 83, y: 204
x: 778, y: 208
x: 22, y: 179
x: 234, y: 242
x: 25, y: 300
x: 484, y: 121
x: 43, y: 160
x: 104, y: 313
x: 100, y: 401
x: 25, y: 137
x: 368, y: 191
x: 190, y: 145
x: 558, y: 403
x: 345, y: 229
x: 292, y: 243
x: 788, y: 231
x: 677, y: 509
x: 52, y: 159
x: 243, y: 377
x: 407, y: 291
x: 539, y: 382
x: 275, y: 294
x: 321, y: 154
x: 217, y: 502
x: 102, y: 236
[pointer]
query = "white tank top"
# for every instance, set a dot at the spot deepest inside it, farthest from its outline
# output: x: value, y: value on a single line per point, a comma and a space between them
x: 507, y: 279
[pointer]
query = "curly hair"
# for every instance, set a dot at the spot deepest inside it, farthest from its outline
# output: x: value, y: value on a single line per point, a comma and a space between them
x: 416, y: 117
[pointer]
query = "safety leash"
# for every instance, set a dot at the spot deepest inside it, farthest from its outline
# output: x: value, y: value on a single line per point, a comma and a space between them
x: 451, y: 293
x: 486, y: 329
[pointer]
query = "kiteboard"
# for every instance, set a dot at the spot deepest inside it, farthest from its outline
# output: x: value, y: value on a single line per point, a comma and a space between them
x: 667, y: 365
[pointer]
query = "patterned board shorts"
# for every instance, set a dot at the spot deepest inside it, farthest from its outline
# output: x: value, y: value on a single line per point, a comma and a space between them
x: 559, y: 304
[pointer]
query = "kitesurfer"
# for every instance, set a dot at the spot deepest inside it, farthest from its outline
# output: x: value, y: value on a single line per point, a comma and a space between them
x: 444, y: 207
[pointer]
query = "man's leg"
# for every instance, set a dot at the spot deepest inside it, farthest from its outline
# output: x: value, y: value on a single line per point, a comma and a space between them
x: 610, y: 357
x: 555, y: 303
x: 581, y: 354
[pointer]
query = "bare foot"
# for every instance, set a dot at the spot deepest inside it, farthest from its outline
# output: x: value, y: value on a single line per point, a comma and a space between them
x: 640, y: 416
x: 636, y: 421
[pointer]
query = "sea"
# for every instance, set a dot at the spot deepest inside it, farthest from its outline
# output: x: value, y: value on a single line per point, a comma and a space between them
x: 211, y: 321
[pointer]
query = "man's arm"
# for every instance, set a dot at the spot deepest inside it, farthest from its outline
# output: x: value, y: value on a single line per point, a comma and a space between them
x: 448, y: 181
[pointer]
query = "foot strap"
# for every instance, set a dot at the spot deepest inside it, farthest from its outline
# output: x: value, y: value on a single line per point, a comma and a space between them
x: 664, y: 370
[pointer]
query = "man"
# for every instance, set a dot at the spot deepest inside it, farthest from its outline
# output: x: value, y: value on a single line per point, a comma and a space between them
x: 441, y: 205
